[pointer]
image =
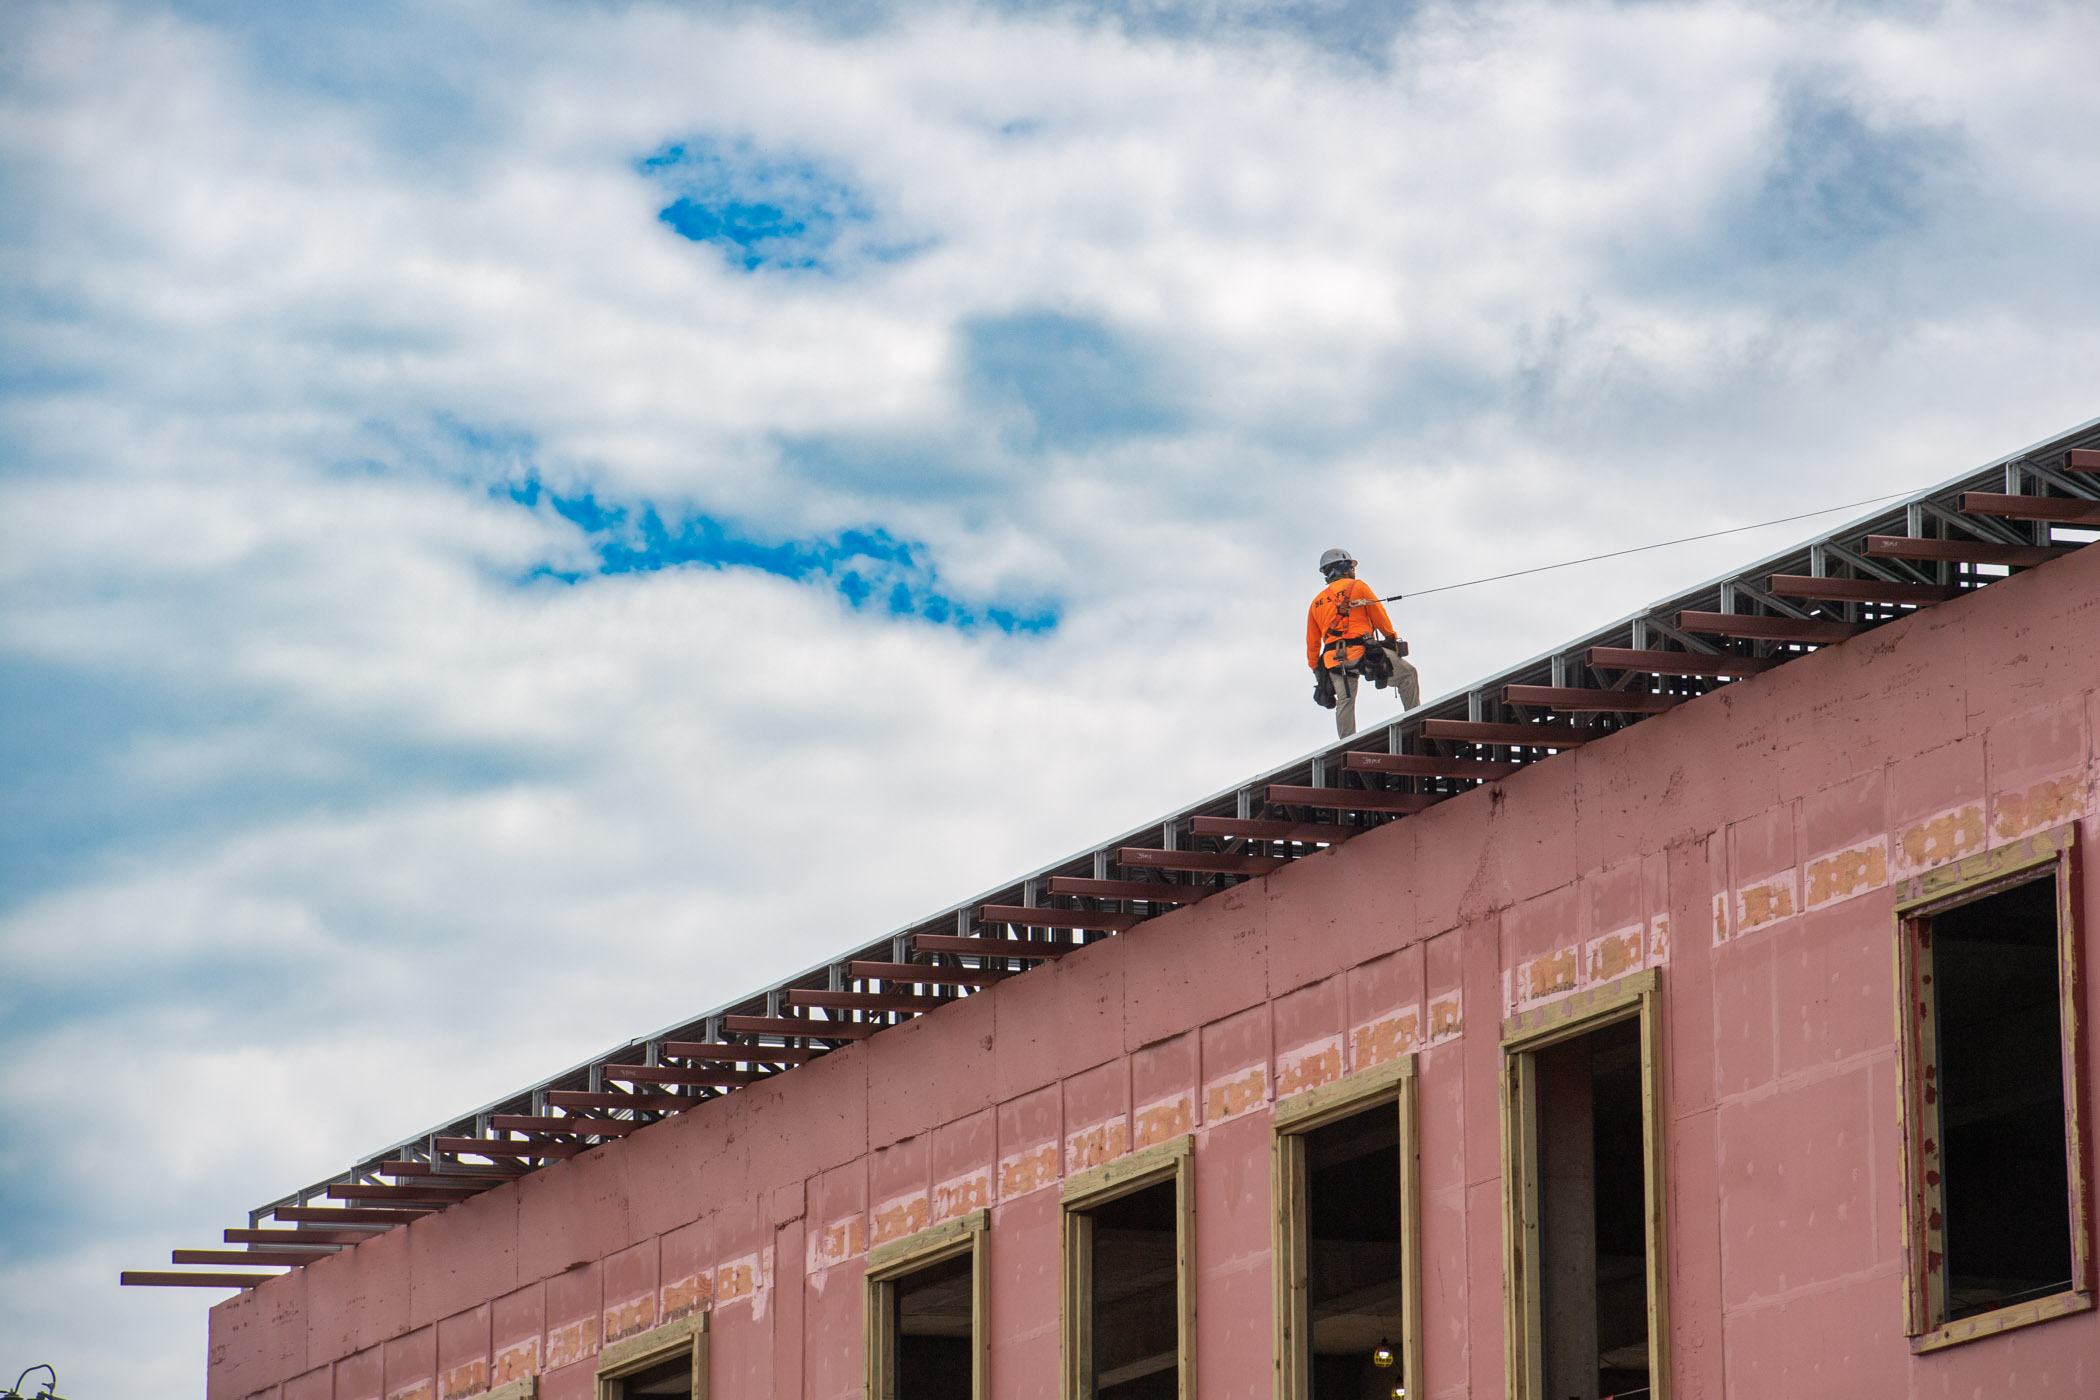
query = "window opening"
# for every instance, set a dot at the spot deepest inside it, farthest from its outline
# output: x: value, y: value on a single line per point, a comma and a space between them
x: 1354, y: 1291
x: 1994, y: 1113
x: 1133, y: 1248
x: 673, y: 1380
x: 1587, y: 1287
x: 933, y: 1342
x: 667, y: 1363
x: 1593, y: 1296
x: 926, y: 1312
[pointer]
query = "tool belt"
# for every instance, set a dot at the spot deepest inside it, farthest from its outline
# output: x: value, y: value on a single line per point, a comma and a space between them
x: 1380, y: 670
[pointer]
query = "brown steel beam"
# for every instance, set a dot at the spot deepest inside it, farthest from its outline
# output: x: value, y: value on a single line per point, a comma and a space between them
x: 513, y: 1147
x: 2018, y: 556
x: 798, y: 1025
x: 1807, y: 631
x: 1150, y: 891
x: 719, y: 1052
x: 1348, y: 799
x: 678, y: 1074
x: 862, y: 1001
x: 1677, y: 663
x: 139, y: 1278
x: 548, y: 1123
x: 1858, y: 590
x: 2082, y: 459
x: 1427, y: 765
x: 264, y: 1258
x: 1536, y: 736
x: 2057, y: 510
x: 925, y: 973
x: 303, y: 1236
x: 428, y: 1195
x: 1589, y: 700
x: 1242, y: 829
x: 1040, y: 917
x: 606, y: 1098
x: 457, y: 1175
x: 1207, y: 862
x: 1037, y: 948
x: 347, y: 1215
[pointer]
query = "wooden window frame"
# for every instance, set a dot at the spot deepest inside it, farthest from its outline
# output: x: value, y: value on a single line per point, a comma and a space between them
x: 687, y: 1336
x: 887, y: 1263
x: 1393, y: 1083
x: 1919, y: 899
x: 1635, y: 997
x: 1172, y: 1161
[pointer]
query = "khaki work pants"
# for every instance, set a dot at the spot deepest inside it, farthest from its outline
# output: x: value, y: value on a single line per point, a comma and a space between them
x: 1406, y: 679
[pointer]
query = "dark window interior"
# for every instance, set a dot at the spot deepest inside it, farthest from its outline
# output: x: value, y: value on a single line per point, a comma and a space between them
x: 1352, y: 1229
x: 933, y: 1331
x: 2005, y: 1192
x: 1137, y: 1317
x: 1593, y: 1255
x: 673, y: 1380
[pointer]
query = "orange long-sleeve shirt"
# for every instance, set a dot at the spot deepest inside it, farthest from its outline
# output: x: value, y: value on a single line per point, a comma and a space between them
x: 1343, y: 611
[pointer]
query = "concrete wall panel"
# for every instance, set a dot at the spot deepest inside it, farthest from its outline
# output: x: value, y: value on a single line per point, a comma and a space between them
x: 1060, y: 1019
x: 1331, y: 911
x: 630, y: 1291
x: 574, y: 1215
x: 518, y: 1334
x: 1795, y: 1209
x: 1031, y: 1142
x: 1164, y: 1087
x: 463, y: 1256
x: 258, y: 1337
x: 575, y: 1328
x: 1024, y: 1252
x: 464, y: 1354
x: 1097, y: 1116
x: 1235, y: 1059
x: 1312, y: 1036
x: 361, y: 1375
x: 359, y: 1298
x: 921, y: 1075
x: 899, y: 1190
x: 1196, y: 965
x: 686, y: 1270
x: 1235, y: 1336
x: 410, y: 1365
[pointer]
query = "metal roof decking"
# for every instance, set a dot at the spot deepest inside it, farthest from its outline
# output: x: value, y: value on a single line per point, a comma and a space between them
x: 1940, y: 543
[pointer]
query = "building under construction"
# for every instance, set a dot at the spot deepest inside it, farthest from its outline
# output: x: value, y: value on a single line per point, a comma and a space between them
x: 1697, y: 1010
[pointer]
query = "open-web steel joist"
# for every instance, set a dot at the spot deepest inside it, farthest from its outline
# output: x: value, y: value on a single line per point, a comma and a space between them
x: 2016, y: 513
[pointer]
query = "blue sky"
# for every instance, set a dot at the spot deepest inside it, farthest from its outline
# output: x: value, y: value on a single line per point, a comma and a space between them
x: 484, y: 484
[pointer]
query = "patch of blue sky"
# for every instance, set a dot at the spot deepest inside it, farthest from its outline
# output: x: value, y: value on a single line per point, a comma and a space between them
x: 872, y: 569
x: 761, y: 209
x: 1824, y: 216
x: 1840, y: 182
x: 1071, y: 381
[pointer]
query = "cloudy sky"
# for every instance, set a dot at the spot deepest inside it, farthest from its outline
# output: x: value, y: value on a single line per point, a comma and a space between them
x: 576, y: 510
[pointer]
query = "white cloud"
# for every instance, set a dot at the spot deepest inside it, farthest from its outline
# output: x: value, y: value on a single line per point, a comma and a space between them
x: 315, y: 796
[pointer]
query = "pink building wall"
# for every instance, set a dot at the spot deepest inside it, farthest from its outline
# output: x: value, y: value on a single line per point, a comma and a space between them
x: 1746, y: 843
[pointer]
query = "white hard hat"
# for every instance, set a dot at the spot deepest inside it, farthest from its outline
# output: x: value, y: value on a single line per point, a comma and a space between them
x: 1335, y: 556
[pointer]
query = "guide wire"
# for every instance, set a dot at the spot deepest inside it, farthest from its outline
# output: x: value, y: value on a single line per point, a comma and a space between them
x: 1644, y: 548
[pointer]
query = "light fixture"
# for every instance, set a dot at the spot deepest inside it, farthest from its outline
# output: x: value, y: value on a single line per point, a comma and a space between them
x: 1399, y: 1390
x: 49, y: 1392
x: 1382, y: 1356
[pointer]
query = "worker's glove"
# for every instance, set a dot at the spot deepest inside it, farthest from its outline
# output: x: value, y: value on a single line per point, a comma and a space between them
x: 1323, y: 689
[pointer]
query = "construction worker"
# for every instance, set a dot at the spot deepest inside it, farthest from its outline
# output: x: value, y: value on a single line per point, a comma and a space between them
x: 1348, y: 635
